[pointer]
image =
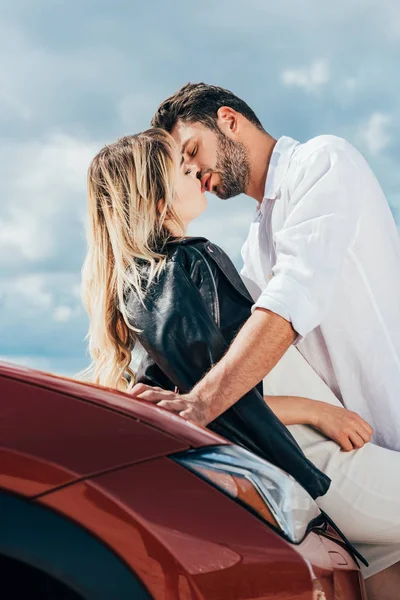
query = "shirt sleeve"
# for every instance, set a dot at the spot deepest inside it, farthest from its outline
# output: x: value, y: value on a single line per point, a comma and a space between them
x: 250, y: 284
x: 311, y: 245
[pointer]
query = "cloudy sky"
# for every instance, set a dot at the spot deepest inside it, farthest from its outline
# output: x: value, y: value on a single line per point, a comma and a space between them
x: 75, y: 75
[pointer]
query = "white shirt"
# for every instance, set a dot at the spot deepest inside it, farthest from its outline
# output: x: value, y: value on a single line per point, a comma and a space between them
x: 324, y: 253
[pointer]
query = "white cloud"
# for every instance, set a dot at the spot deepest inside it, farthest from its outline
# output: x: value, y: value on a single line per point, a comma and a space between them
x: 37, y: 306
x: 31, y: 291
x: 374, y: 134
x: 76, y: 291
x: 63, y: 314
x: 310, y: 79
x: 20, y: 238
x: 32, y: 362
x: 68, y: 366
x: 46, y: 189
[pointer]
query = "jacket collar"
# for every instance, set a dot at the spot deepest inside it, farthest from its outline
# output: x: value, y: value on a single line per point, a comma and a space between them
x: 187, y: 240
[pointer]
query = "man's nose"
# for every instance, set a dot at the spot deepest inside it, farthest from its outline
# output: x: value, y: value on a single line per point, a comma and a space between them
x: 194, y: 170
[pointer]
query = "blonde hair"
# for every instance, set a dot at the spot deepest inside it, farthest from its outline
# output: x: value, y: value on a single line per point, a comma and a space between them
x: 130, y: 195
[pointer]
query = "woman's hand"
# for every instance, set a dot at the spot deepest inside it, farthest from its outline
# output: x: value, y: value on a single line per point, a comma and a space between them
x: 343, y: 426
x: 189, y: 406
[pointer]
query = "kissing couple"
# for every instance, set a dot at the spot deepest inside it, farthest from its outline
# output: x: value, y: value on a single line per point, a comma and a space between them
x: 297, y: 357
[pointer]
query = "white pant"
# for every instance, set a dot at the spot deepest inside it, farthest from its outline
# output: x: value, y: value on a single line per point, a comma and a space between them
x: 364, y: 495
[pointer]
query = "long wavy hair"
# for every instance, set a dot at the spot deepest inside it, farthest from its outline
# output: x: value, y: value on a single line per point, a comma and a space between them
x: 131, y: 187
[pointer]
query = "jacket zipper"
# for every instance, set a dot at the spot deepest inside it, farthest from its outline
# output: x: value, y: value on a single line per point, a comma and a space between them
x: 216, y: 301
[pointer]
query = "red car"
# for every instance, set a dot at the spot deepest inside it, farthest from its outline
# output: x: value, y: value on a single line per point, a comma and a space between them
x: 104, y: 497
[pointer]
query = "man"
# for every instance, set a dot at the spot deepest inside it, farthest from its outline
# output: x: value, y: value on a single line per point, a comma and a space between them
x: 324, y: 254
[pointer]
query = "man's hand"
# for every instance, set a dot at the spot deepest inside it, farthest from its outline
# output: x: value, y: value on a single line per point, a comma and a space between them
x: 187, y: 406
x: 343, y: 426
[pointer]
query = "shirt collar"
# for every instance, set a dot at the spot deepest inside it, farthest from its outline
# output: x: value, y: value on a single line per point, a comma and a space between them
x: 278, y: 165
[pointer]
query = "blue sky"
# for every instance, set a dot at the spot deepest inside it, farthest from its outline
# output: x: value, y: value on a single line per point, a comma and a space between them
x: 77, y: 75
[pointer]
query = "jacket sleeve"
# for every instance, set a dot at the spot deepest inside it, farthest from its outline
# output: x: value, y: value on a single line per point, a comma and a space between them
x: 149, y: 372
x: 179, y: 332
x: 183, y: 342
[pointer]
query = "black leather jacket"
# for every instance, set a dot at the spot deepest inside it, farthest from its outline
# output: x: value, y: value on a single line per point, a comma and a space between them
x: 190, y: 316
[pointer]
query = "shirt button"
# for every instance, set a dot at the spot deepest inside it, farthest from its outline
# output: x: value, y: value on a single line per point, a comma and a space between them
x: 270, y: 276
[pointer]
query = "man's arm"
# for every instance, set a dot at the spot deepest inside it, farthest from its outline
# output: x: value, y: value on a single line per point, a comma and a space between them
x: 259, y: 345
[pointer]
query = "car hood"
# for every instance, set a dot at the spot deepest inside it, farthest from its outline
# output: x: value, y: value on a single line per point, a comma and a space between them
x: 190, y: 434
x: 54, y: 431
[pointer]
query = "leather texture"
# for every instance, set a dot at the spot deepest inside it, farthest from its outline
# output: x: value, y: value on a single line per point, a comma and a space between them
x: 188, y: 320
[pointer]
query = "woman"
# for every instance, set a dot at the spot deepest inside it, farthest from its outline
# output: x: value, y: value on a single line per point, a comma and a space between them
x: 180, y: 297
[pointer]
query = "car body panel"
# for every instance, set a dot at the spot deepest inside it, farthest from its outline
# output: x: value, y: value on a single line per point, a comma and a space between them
x: 100, y: 459
x: 186, y: 539
x: 116, y: 401
x: 49, y: 439
x: 182, y: 536
x: 44, y: 556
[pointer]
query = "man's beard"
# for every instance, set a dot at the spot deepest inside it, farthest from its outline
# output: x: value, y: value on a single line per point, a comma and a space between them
x: 233, y: 167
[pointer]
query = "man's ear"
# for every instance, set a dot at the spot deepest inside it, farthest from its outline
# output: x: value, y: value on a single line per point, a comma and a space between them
x: 227, y: 119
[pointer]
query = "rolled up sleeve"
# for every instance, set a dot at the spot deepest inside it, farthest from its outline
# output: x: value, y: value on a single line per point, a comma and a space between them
x: 310, y: 247
x: 250, y: 284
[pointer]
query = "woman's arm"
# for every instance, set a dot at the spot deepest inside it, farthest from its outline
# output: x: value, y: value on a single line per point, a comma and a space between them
x: 343, y: 426
x: 293, y: 410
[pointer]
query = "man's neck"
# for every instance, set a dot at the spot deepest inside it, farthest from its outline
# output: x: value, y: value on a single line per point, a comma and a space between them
x: 260, y: 148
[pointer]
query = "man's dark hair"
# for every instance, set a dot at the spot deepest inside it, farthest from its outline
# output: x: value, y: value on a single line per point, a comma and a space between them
x: 199, y: 102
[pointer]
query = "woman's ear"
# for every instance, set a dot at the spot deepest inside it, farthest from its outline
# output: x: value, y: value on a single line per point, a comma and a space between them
x: 160, y: 206
x: 163, y: 210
